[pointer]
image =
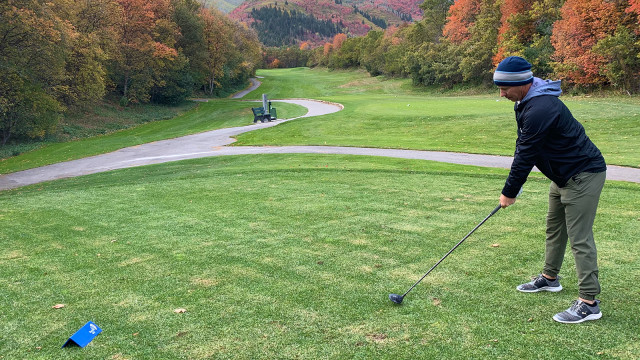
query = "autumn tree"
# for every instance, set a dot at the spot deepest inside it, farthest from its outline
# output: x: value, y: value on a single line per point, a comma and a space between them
x: 338, y: 40
x: 244, y: 57
x: 305, y: 45
x: 93, y: 44
x: 274, y: 64
x: 26, y: 110
x: 232, y: 51
x: 543, y: 13
x: 462, y: 16
x: 217, y: 44
x: 622, y: 67
x: 33, y: 40
x: 138, y: 53
x: 621, y: 51
x: 348, y: 55
x: 369, y: 56
x: 134, y: 24
x: 171, y: 80
x: 425, y: 49
x: 584, y: 23
x: 392, y: 50
x: 190, y: 39
x: 327, y: 49
x: 516, y: 29
x: 289, y: 57
x: 471, y: 35
x: 477, y: 62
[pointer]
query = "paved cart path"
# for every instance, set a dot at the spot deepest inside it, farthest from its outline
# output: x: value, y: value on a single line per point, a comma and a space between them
x: 213, y: 143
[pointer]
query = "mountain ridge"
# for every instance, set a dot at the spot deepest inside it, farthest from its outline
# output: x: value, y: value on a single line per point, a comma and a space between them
x: 352, y: 17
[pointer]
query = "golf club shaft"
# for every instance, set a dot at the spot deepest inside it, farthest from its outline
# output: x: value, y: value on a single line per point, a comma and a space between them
x: 450, y: 251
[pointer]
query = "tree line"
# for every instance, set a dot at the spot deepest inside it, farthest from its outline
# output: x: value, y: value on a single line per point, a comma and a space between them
x: 590, y: 44
x: 65, y: 54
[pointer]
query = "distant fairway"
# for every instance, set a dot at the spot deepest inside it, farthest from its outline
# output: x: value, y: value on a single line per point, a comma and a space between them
x: 390, y: 114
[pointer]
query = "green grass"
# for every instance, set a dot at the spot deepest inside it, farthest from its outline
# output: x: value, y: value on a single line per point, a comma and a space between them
x: 99, y: 119
x: 390, y: 114
x: 293, y: 256
x: 108, y: 116
x: 211, y: 115
x: 378, y: 113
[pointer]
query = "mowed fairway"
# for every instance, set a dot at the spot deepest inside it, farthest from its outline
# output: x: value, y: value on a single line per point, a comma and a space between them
x: 293, y: 256
x: 389, y: 114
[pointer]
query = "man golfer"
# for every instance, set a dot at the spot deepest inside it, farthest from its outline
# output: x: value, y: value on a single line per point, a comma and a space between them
x: 550, y: 138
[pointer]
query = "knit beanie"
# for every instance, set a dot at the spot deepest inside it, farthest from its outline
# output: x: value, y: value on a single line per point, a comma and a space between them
x: 513, y: 71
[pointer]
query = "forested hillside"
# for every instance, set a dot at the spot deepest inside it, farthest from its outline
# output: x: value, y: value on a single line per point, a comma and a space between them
x: 277, y: 27
x: 589, y: 44
x: 352, y: 17
x: 61, y: 55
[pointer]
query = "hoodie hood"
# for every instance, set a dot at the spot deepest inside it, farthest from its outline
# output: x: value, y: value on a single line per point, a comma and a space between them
x: 541, y: 87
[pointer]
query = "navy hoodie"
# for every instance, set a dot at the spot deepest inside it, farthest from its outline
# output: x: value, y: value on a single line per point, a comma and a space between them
x: 550, y: 138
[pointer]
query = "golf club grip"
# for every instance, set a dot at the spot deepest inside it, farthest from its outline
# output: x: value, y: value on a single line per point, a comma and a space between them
x: 453, y: 248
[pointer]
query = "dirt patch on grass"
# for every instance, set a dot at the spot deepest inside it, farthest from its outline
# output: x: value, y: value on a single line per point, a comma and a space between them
x: 377, y: 338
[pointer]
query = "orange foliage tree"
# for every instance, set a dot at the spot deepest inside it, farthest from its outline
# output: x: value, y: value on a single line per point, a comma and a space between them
x: 327, y: 49
x: 583, y: 24
x: 137, y: 50
x: 274, y: 64
x: 462, y: 15
x: 338, y: 40
x: 305, y: 45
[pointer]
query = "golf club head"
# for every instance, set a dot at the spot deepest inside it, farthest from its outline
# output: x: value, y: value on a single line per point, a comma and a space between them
x: 396, y: 298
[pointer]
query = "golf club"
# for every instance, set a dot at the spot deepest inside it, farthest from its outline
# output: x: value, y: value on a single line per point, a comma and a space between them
x: 396, y: 298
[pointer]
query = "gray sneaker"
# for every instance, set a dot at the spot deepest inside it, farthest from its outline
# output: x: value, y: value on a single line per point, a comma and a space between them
x: 579, y: 312
x: 540, y: 283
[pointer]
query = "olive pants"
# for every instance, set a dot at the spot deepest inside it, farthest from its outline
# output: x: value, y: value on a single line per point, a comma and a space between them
x: 572, y: 211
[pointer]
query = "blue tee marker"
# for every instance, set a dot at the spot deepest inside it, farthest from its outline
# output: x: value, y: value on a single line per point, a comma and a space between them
x: 84, y: 336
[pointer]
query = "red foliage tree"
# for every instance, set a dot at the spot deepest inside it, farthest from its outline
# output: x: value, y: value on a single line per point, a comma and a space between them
x: 583, y: 24
x: 462, y: 15
x: 634, y: 6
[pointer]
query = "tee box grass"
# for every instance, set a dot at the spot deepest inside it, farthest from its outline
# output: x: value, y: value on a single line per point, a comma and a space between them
x: 293, y: 256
